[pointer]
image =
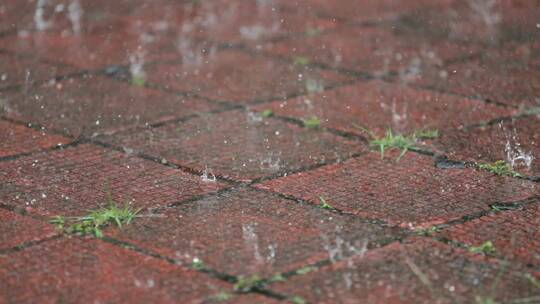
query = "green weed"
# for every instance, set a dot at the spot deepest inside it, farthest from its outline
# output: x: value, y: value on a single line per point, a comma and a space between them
x: 300, y: 60
x: 198, y: 264
x: 427, y: 231
x: 137, y: 80
x: 298, y: 300
x: 499, y: 167
x: 267, y: 113
x: 247, y: 284
x: 311, y: 32
x: 93, y: 223
x: 485, y: 248
x: 325, y: 205
x: 223, y: 296
x: 305, y: 270
x: 484, y: 300
x: 401, y: 142
x: 312, y: 123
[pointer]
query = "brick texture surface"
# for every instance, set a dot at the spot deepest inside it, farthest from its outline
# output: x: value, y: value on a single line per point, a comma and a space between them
x: 409, y: 192
x: 377, y: 106
x: 245, y: 232
x: 75, y: 180
x: 16, y: 139
x: 418, y: 271
x: 75, y: 270
x: 93, y: 104
x: 17, y: 229
x: 238, y: 145
x: 222, y: 76
x: 515, y: 141
x: 514, y: 234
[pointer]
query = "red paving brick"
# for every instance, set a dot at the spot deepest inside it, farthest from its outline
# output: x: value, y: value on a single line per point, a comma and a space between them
x: 495, y: 23
x: 92, y: 105
x: 411, y: 192
x: 238, y: 145
x: 373, y: 49
x: 512, y: 80
x: 385, y: 275
x: 17, y: 229
x: 246, y: 232
x: 377, y: 106
x: 515, y: 141
x: 73, y: 270
x: 438, y: 58
x: 16, y: 139
x: 222, y: 76
x: 364, y: 11
x: 17, y: 70
x: 74, y: 180
x: 514, y: 233
x: 240, y: 21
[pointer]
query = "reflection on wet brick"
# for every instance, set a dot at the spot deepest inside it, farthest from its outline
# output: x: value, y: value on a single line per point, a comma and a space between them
x: 238, y: 145
x: 75, y: 180
x: 493, y: 23
x: 246, y: 232
x: 515, y: 141
x: 371, y: 49
x: 94, y: 104
x: 16, y: 139
x: 17, y: 70
x: 73, y: 270
x: 409, y: 192
x: 239, y: 77
x: 364, y: 11
x: 239, y: 21
x: 417, y: 271
x: 502, y: 78
x: 514, y: 233
x: 377, y: 106
x: 17, y: 229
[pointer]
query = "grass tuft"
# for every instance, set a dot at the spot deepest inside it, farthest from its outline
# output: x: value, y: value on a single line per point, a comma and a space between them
x: 312, y: 123
x: 298, y: 300
x: 247, y: 284
x: 93, y: 223
x: 486, y: 248
x: 499, y: 167
x: 267, y: 113
x: 392, y: 141
x: 325, y: 205
x: 301, y: 60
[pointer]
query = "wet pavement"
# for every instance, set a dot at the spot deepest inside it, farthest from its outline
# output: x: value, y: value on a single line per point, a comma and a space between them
x: 246, y: 133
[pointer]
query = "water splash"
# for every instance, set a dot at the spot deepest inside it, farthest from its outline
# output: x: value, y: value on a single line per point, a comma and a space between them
x: 252, y: 240
x: 515, y: 155
x: 208, y: 176
x: 75, y: 13
x: 39, y: 16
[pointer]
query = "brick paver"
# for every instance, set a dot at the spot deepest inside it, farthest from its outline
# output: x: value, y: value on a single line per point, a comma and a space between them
x: 84, y: 270
x: 378, y: 106
x: 246, y: 232
x: 221, y: 76
x: 373, y: 49
x: 92, y: 105
x: 418, y: 271
x: 75, y: 180
x: 25, y: 71
x: 411, y: 192
x: 238, y: 145
x: 16, y: 139
x: 515, y: 233
x: 509, y: 80
x: 240, y: 127
x: 17, y: 230
x: 516, y: 141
